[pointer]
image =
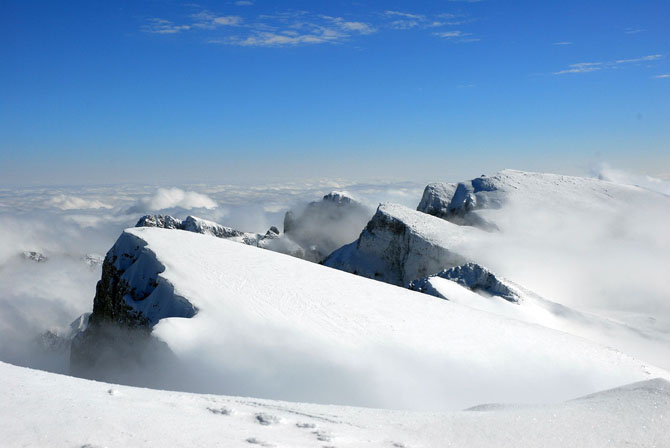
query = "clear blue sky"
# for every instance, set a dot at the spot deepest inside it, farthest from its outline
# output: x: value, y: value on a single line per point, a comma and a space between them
x: 220, y: 91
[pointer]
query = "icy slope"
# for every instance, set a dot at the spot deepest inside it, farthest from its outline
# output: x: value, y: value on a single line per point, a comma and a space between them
x: 43, y: 409
x: 474, y: 286
x: 399, y: 245
x: 279, y: 327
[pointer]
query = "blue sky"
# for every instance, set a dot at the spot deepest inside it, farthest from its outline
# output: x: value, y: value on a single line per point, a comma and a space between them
x: 221, y: 91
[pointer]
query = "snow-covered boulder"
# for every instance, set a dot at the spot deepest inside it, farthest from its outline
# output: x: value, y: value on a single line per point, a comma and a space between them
x: 326, y: 225
x: 399, y: 245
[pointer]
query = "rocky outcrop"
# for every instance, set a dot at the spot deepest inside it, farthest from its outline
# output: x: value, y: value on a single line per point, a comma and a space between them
x: 34, y: 256
x: 399, y: 245
x: 130, y: 298
x: 326, y: 225
x: 198, y: 225
x: 472, y: 276
x: 459, y: 202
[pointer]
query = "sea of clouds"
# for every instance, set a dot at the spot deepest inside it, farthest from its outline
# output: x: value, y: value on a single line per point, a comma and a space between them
x: 571, y: 261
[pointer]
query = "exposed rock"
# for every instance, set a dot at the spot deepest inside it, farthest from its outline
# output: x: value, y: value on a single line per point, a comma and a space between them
x: 326, y: 225
x: 472, y: 276
x: 58, y: 340
x: 34, y: 256
x: 93, y: 260
x: 459, y: 202
x: 131, y: 297
x: 399, y: 245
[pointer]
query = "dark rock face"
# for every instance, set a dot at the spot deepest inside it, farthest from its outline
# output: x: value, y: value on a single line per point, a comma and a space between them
x: 398, y: 245
x: 325, y: 225
x: 472, y: 276
x: 130, y: 298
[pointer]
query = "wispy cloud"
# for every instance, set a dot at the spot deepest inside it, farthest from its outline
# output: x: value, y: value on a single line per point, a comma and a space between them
x: 581, y: 67
x: 587, y: 67
x: 162, y: 26
x: 244, y: 3
x: 662, y: 76
x: 633, y: 31
x: 652, y: 57
x: 565, y: 42
x: 292, y: 28
x: 456, y: 36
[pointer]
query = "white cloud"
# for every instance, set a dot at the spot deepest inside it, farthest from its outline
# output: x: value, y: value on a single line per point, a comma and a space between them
x: 166, y: 198
x: 244, y: 3
x: 662, y: 76
x: 210, y: 21
x: 565, y: 42
x: 405, y: 15
x: 449, y: 34
x: 586, y: 67
x: 163, y: 26
x: 652, y: 57
x: 65, y: 202
x: 606, y: 172
x: 581, y: 67
x: 294, y: 28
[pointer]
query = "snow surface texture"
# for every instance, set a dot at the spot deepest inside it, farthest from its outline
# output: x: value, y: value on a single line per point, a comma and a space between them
x: 280, y: 327
x: 399, y: 245
x: 41, y: 409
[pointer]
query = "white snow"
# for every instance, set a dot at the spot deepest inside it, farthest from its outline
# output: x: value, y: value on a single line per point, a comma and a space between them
x: 278, y: 327
x: 44, y: 409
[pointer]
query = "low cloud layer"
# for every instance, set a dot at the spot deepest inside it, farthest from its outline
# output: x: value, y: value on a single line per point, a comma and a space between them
x: 605, y: 172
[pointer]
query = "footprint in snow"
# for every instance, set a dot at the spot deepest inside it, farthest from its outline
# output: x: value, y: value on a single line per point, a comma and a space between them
x: 220, y: 411
x: 255, y: 441
x: 113, y: 392
x: 305, y: 425
x: 266, y: 419
x: 322, y: 436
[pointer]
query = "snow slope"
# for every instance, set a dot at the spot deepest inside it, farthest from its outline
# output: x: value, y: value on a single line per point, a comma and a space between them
x: 275, y: 326
x: 585, y: 243
x: 474, y: 286
x: 44, y: 409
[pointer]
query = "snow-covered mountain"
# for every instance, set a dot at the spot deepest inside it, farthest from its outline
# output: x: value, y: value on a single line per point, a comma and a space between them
x: 253, y: 322
x: 326, y: 225
x: 399, y: 245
